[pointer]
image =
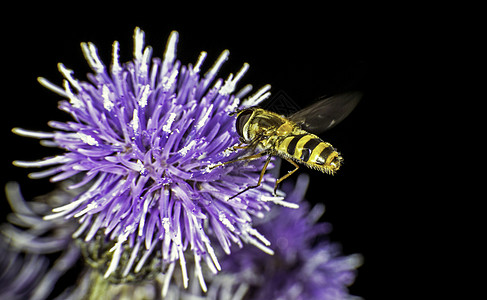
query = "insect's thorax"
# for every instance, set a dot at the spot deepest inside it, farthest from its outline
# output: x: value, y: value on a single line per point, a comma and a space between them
x: 277, y: 135
x: 268, y: 127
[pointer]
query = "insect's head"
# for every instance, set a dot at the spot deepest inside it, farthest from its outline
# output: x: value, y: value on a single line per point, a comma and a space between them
x: 241, y: 124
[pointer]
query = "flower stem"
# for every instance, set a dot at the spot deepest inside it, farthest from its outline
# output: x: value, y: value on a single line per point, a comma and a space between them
x: 99, y: 286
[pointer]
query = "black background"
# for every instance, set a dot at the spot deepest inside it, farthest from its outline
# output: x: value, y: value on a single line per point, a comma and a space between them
x: 306, y: 52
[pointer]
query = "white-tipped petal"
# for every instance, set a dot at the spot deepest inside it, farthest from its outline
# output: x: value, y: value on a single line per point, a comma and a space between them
x: 199, y: 62
x: 32, y: 134
x: 217, y: 65
x: 132, y: 258
x: 167, y: 279
x: 199, y: 273
x: 257, y: 98
x: 184, y: 270
x: 52, y: 87
x: 116, y: 67
x: 280, y: 201
x: 115, y: 260
x: 68, y: 74
x: 170, y: 52
x: 138, y: 43
x: 41, y: 163
x: 91, y: 55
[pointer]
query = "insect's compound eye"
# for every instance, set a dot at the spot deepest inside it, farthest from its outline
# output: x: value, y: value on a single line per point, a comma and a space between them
x: 242, y: 119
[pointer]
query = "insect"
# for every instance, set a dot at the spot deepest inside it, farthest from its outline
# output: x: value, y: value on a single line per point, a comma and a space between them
x: 294, y: 138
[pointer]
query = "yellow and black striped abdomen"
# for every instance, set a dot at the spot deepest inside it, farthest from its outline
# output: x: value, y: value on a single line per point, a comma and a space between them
x: 310, y: 150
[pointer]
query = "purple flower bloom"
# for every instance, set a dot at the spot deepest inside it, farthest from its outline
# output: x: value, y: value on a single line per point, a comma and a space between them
x: 25, y: 270
x: 144, y: 139
x: 299, y: 269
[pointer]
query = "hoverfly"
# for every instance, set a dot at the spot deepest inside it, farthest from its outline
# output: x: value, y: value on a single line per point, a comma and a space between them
x: 294, y: 138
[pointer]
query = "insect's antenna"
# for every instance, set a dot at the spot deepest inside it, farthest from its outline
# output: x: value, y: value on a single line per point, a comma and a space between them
x: 235, y: 112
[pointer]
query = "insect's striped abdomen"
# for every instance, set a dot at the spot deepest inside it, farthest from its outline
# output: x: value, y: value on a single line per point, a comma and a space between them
x: 312, y: 151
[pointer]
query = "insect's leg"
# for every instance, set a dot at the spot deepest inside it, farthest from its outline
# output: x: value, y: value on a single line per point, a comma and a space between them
x: 287, y: 175
x: 251, y: 145
x: 239, y: 146
x: 250, y: 157
x: 260, y: 178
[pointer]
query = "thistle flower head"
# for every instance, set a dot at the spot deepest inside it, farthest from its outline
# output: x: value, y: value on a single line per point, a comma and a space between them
x: 144, y: 140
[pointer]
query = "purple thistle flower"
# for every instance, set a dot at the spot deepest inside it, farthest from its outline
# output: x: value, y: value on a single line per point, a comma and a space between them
x: 144, y: 139
x: 300, y: 268
x: 25, y: 242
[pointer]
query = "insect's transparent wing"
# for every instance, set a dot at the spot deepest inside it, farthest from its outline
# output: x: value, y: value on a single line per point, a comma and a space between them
x: 327, y: 112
